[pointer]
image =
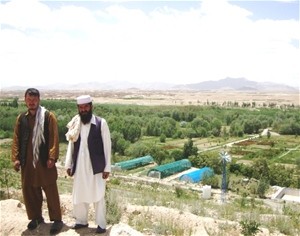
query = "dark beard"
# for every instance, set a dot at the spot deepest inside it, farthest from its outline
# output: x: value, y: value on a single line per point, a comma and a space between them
x: 86, y: 117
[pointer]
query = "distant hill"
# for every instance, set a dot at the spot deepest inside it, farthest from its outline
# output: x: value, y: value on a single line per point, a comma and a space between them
x: 238, y: 84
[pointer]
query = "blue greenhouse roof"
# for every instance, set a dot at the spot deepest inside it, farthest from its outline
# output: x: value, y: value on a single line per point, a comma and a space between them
x: 197, y: 175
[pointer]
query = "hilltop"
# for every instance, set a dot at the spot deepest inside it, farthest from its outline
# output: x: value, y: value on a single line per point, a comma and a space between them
x: 144, y: 219
x: 13, y: 209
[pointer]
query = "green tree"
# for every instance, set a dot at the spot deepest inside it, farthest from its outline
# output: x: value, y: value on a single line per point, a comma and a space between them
x: 138, y: 149
x: 200, y: 126
x: 216, y: 126
x: 153, y: 127
x: 162, y: 138
x: 189, y: 149
x: 177, y: 154
x: 159, y: 155
x: 15, y: 103
x: 251, y: 126
x: 119, y: 144
x: 168, y: 126
x: 236, y: 129
x: 176, y: 115
x: 212, y: 180
x: 131, y: 128
x: 280, y: 175
x: 261, y: 169
x: 262, y: 187
x: 197, y: 160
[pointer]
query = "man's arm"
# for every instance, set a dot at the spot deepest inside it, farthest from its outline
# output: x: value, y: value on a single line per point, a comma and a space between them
x: 68, y: 161
x: 107, y: 147
x: 15, y: 146
x: 53, y: 140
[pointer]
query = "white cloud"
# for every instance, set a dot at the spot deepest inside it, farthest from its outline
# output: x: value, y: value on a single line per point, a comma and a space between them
x: 210, y: 42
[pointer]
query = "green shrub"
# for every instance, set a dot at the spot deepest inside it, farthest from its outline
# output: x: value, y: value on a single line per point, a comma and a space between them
x: 249, y: 227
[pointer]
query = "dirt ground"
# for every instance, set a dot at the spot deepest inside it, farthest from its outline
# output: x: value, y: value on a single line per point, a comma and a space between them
x: 156, y: 97
x: 14, y: 221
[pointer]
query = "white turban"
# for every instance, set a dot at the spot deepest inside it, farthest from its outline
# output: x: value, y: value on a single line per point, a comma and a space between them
x: 83, y: 99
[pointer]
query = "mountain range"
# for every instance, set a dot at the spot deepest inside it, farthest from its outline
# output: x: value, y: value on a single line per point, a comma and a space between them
x: 235, y: 84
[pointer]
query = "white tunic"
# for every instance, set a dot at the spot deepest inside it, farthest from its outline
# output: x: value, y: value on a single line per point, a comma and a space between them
x: 87, y: 187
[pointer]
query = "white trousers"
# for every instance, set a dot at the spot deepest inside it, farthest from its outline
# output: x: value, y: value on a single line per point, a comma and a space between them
x: 81, y: 210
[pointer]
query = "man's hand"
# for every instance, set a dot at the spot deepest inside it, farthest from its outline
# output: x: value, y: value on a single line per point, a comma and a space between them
x: 17, y: 165
x: 69, y: 172
x: 105, y: 175
x: 50, y: 163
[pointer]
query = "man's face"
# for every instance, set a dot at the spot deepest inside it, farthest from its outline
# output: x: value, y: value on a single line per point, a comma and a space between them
x: 32, y: 102
x: 85, y: 111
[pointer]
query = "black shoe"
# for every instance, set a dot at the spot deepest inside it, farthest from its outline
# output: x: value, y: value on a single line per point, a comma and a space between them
x: 56, y: 227
x: 79, y: 226
x: 100, y: 230
x: 34, y: 223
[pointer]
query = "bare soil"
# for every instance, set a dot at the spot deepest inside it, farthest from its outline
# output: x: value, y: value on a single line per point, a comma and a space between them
x: 157, y: 97
x: 14, y: 221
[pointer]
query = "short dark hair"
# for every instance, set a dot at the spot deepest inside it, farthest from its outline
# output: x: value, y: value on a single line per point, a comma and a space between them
x: 32, y: 92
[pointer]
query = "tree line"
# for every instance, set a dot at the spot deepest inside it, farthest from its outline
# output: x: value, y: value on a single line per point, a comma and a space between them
x: 130, y: 123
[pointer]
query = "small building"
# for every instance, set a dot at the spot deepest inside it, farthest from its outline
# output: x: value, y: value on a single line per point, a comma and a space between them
x: 287, y: 194
x: 134, y: 163
x: 197, y: 175
x: 166, y: 170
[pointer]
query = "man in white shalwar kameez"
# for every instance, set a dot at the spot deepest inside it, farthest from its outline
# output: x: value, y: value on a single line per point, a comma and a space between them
x: 89, y: 166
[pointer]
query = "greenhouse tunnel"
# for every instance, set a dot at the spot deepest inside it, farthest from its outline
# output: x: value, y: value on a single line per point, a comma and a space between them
x: 134, y: 163
x: 166, y: 170
x: 197, y: 175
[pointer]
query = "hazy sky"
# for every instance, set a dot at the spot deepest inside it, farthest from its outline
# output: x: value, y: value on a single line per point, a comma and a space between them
x: 180, y: 42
